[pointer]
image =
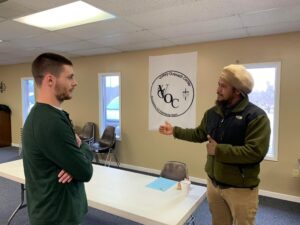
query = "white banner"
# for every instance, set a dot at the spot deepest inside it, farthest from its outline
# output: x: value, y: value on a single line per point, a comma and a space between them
x: 172, y: 90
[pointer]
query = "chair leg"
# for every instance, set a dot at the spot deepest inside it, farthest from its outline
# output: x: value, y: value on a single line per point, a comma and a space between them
x: 110, y: 151
x: 96, y: 157
x: 116, y: 159
x: 106, y: 160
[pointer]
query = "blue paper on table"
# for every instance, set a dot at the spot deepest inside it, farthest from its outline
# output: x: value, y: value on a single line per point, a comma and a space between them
x: 161, y: 184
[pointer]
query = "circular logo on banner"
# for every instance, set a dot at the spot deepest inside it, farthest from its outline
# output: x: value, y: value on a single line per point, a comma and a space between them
x: 172, y: 93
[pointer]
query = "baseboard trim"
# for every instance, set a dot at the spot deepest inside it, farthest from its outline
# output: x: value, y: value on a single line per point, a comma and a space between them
x: 202, y: 181
x: 277, y: 195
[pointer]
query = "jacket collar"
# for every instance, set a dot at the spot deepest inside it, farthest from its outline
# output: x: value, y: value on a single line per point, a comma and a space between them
x: 240, y: 106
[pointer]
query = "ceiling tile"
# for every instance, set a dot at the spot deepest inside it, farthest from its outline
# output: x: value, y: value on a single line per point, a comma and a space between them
x: 26, y: 55
x: 73, y: 46
x: 40, y: 5
x: 43, y: 40
x: 199, y: 27
x: 95, y: 51
x: 133, y: 7
x: 215, y: 36
x: 11, y: 30
x: 199, y: 11
x: 285, y: 3
x: 145, y: 45
x: 274, y: 28
x: 99, y: 29
x: 7, y: 47
x: 11, y: 9
x: 272, y: 16
x: 244, y: 6
x: 126, y: 38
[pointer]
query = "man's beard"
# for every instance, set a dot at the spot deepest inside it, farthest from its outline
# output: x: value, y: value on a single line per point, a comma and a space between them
x: 222, y: 103
x: 62, y: 94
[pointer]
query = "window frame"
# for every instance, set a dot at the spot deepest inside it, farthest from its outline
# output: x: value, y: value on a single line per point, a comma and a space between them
x: 275, y: 131
x: 23, y: 79
x: 101, y: 108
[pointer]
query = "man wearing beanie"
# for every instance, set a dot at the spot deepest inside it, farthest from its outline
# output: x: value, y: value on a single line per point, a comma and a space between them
x: 238, y: 134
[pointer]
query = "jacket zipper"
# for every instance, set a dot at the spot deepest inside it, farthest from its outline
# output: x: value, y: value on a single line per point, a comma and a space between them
x: 213, y: 161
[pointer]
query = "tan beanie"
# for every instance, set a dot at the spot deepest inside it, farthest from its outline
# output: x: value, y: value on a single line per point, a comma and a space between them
x: 238, y: 77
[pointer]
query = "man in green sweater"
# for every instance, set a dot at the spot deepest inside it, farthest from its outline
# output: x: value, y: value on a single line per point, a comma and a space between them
x: 238, y: 134
x: 56, y: 163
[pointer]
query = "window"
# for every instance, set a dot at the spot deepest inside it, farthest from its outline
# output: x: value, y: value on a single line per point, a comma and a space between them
x: 266, y: 95
x: 110, y: 104
x: 28, y: 99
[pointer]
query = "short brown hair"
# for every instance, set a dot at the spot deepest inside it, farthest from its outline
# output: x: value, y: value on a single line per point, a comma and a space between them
x: 48, y: 63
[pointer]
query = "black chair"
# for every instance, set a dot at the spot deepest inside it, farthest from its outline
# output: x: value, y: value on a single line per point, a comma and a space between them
x: 175, y: 170
x: 106, y: 145
x: 87, y: 134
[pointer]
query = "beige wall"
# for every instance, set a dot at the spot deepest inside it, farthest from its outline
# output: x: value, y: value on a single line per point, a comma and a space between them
x: 141, y: 147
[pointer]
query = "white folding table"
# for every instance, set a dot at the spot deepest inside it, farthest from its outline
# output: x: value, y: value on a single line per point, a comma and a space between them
x: 125, y: 194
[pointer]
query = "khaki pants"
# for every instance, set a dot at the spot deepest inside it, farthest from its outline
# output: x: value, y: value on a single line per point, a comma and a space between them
x: 229, y: 206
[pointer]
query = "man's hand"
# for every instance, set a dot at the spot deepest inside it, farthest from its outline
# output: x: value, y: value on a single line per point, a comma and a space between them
x: 166, y: 129
x: 78, y: 140
x: 64, y: 177
x: 211, y: 146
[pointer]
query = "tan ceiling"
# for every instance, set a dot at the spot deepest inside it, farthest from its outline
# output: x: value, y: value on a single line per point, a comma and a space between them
x: 143, y: 24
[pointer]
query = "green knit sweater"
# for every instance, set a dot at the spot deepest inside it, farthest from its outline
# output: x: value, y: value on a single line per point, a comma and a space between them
x: 49, y: 145
x: 242, y: 134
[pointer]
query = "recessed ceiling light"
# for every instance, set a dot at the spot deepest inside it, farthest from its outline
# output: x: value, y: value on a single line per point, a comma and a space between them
x: 70, y: 15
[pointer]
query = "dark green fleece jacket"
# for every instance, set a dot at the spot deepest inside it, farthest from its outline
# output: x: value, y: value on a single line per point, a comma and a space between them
x: 49, y: 145
x: 242, y: 134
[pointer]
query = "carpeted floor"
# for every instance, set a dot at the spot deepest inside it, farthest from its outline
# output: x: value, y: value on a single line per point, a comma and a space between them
x: 271, y: 211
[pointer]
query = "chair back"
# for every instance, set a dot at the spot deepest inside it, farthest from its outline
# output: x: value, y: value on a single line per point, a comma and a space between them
x: 88, y: 130
x: 87, y: 134
x: 174, y: 170
x: 108, y: 138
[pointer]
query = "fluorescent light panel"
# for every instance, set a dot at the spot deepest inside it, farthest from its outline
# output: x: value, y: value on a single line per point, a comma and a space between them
x: 70, y: 15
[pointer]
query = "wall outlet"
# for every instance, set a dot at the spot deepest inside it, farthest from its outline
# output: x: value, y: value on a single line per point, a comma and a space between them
x: 295, y: 173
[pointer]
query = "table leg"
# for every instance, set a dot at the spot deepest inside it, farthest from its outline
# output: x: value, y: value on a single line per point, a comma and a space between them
x: 20, y: 206
x: 190, y: 221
